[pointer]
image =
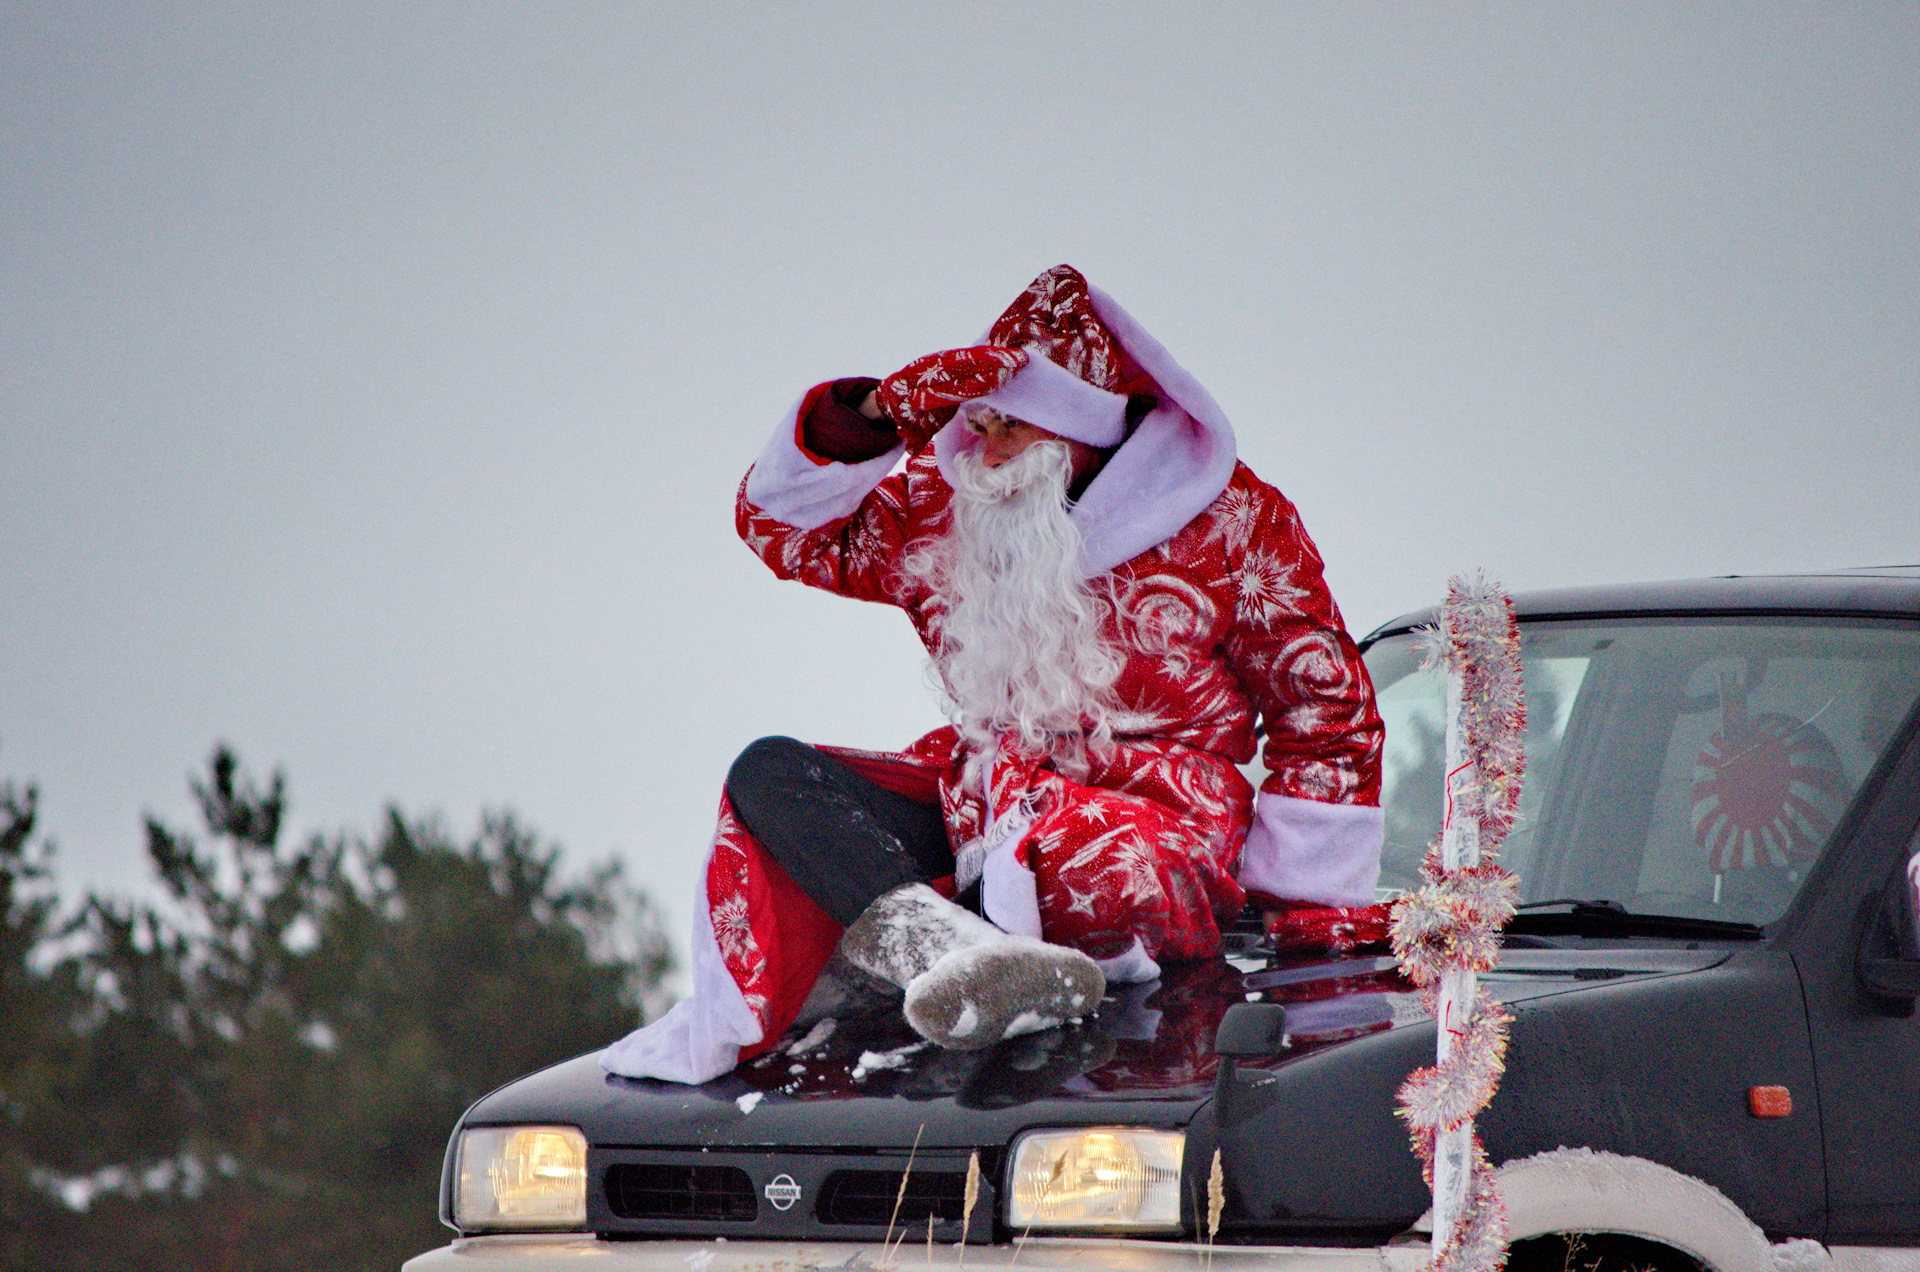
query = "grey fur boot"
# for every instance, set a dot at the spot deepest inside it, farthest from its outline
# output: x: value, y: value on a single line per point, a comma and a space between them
x: 968, y: 983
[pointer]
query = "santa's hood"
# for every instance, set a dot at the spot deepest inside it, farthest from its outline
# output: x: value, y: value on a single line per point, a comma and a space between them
x: 1176, y: 463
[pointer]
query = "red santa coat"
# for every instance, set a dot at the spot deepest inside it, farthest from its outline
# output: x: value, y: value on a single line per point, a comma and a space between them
x: 1225, y: 624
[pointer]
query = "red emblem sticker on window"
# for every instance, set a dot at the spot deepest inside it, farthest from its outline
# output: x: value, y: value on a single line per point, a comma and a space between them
x: 1765, y: 788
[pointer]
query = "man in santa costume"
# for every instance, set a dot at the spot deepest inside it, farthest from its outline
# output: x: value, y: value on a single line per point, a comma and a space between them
x: 1116, y: 608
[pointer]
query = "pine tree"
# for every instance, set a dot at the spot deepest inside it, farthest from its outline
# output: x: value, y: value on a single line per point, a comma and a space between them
x: 40, y: 1006
x: 264, y: 1074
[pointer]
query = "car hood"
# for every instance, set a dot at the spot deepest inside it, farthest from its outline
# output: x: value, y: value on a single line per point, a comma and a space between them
x: 864, y: 1081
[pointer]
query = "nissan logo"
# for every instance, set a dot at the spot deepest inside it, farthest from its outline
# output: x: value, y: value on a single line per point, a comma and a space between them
x: 782, y: 1191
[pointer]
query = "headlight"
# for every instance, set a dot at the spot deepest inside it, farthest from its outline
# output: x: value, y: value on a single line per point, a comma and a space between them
x: 521, y: 1177
x: 1109, y: 1178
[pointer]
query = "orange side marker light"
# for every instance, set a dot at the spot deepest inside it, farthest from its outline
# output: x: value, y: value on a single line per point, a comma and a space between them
x: 1769, y: 1101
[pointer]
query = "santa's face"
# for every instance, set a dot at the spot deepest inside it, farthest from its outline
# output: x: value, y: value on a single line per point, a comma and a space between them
x: 1003, y: 438
x: 1022, y: 647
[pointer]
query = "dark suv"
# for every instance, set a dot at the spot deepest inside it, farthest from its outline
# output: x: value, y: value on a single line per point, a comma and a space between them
x: 1714, y: 1063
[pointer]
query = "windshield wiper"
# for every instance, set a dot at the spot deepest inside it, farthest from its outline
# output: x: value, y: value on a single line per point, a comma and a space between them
x: 1605, y: 917
x: 1603, y: 904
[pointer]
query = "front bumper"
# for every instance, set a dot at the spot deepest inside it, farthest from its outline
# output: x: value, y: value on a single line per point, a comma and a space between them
x: 583, y: 1252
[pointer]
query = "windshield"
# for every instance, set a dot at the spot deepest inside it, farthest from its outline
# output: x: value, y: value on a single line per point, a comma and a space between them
x: 1693, y: 768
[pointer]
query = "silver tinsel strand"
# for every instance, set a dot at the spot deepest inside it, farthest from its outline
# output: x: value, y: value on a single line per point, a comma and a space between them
x: 1453, y: 920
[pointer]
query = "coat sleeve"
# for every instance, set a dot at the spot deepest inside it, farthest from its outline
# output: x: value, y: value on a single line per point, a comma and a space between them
x: 1317, y: 826
x: 839, y: 527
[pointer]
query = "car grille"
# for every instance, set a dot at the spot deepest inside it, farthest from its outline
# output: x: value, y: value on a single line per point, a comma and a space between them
x: 682, y: 1192
x: 788, y: 1194
x: 869, y: 1197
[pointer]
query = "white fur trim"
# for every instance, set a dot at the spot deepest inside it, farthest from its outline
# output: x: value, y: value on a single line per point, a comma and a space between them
x: 1304, y: 850
x: 1130, y: 968
x: 789, y: 485
x: 1008, y: 891
x: 700, y: 1039
x: 1172, y: 468
x: 1047, y: 394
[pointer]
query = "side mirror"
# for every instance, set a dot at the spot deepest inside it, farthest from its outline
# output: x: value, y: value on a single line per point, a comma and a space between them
x: 1248, y: 1029
x: 1888, y: 964
x: 1251, y: 1029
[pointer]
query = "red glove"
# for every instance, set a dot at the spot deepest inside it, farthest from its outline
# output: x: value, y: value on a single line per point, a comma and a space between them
x: 920, y: 397
x: 1298, y: 927
x: 834, y: 428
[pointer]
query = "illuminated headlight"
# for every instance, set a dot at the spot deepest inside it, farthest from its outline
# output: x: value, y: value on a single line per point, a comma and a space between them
x: 521, y: 1177
x: 1110, y: 1179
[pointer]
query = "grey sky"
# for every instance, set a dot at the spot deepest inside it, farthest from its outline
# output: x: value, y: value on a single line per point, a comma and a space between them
x: 375, y: 380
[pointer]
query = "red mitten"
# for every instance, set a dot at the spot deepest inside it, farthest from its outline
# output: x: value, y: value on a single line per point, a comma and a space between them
x: 1298, y: 927
x: 920, y: 397
x: 833, y: 427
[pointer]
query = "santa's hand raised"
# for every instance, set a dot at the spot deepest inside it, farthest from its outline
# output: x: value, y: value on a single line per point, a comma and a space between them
x: 920, y: 397
x: 842, y: 423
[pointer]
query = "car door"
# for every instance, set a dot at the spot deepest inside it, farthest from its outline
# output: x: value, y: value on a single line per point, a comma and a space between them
x: 1866, y: 1045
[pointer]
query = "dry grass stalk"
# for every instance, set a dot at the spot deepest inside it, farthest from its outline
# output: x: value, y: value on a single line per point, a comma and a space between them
x: 1046, y: 1192
x: 888, y: 1245
x: 967, y: 1203
x: 1216, y: 1196
x: 1216, y: 1202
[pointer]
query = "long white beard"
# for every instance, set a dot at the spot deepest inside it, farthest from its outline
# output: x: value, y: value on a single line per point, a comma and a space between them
x: 1021, y: 644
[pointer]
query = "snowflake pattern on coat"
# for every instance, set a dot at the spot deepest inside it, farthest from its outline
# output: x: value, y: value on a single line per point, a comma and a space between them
x: 1056, y: 312
x: 1226, y: 625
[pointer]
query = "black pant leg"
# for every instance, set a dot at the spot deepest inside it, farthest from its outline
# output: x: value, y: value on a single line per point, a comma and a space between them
x: 844, y: 839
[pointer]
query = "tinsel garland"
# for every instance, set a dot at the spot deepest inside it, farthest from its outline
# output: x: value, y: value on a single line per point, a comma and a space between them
x: 1448, y: 930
